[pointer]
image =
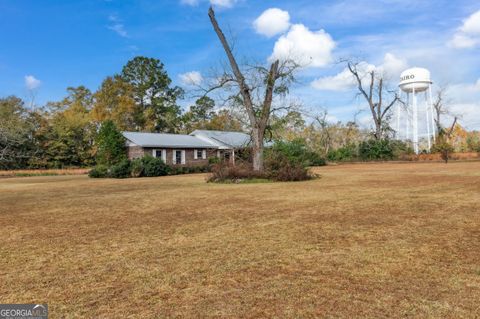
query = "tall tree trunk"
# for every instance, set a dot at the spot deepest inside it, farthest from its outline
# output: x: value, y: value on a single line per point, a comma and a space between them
x: 257, y: 148
x: 257, y: 121
x: 378, y: 130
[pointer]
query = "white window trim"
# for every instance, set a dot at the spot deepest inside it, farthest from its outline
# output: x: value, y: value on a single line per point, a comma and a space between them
x: 204, y: 154
x: 182, y: 160
x: 195, y: 156
x: 163, y: 154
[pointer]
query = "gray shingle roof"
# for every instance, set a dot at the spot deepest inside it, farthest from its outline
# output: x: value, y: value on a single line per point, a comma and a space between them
x: 166, y: 140
x: 225, y: 139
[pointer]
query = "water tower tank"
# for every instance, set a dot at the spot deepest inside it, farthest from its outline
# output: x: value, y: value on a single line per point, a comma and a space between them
x: 417, y: 79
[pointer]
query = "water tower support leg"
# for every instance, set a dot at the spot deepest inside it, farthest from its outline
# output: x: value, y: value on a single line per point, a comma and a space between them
x: 415, y: 123
x: 398, y: 117
x: 430, y: 104
x: 427, y: 117
x: 408, y: 116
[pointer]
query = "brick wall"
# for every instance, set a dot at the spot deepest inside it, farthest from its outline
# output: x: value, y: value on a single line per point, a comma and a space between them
x: 189, y: 155
x: 135, y: 152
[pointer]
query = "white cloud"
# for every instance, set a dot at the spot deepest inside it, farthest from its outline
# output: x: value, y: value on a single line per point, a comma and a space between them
x: 472, y: 24
x: 219, y: 3
x: 223, y: 3
x: 309, y: 48
x: 463, y: 100
x: 117, y: 26
x: 469, y: 115
x: 462, y: 41
x: 468, y: 35
x: 31, y: 82
x: 393, y: 66
x: 344, y: 81
x: 190, y: 2
x: 191, y: 78
x: 272, y: 21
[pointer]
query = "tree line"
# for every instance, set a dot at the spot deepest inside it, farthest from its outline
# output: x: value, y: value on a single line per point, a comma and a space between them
x: 62, y: 133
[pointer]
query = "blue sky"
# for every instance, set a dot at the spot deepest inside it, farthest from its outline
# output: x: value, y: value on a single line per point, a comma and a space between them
x: 69, y: 43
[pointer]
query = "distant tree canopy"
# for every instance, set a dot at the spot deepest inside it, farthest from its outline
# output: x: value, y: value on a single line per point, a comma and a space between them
x: 156, y: 106
x: 114, y: 101
x: 84, y: 128
x: 15, y: 132
x: 72, y: 132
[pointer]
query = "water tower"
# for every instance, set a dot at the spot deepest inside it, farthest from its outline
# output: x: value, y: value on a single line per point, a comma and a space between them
x: 418, y: 109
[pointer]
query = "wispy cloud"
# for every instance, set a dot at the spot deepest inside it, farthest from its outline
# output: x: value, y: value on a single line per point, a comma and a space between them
x: 191, y: 78
x: 190, y: 2
x: 468, y: 35
x: 117, y: 26
x: 219, y: 3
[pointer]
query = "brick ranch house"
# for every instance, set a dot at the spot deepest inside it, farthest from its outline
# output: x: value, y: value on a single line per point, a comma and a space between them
x: 186, y: 150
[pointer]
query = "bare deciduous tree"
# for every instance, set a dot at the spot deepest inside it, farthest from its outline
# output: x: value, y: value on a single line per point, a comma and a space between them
x: 256, y: 88
x: 374, y: 92
x: 440, y: 107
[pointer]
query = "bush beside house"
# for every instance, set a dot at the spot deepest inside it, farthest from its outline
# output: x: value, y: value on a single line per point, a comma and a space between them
x: 284, y: 161
x: 147, y: 166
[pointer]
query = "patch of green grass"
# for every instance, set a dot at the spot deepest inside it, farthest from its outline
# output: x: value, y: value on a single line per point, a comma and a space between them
x: 35, y: 174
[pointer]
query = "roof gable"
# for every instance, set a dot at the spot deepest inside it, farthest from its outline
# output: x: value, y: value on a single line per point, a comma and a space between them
x: 224, y: 139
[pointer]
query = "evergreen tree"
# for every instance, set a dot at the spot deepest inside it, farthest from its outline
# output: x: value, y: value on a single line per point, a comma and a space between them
x: 110, y: 144
x: 156, y: 102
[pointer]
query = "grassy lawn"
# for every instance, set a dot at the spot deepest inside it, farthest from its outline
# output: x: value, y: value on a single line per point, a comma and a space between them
x: 364, y: 240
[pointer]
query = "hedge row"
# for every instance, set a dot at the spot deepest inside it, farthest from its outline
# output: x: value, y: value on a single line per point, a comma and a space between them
x: 147, y: 166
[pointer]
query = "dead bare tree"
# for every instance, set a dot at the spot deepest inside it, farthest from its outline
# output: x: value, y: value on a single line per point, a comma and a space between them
x: 255, y: 93
x: 440, y: 107
x: 374, y: 92
x: 324, y: 129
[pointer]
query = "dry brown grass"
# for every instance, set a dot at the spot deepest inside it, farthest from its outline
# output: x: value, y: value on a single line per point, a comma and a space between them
x: 44, y: 172
x: 363, y: 241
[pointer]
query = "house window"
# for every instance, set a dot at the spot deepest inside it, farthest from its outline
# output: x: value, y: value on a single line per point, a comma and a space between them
x: 160, y: 154
x: 179, y: 157
x: 199, y: 153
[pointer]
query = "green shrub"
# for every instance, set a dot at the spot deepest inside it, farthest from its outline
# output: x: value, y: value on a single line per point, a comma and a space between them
x: 401, y: 148
x: 297, y: 152
x: 99, y: 171
x: 120, y: 170
x: 315, y: 159
x: 110, y: 144
x: 136, y: 168
x: 153, y: 167
x: 376, y: 150
x: 345, y: 153
x: 443, y: 147
x: 213, y: 160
